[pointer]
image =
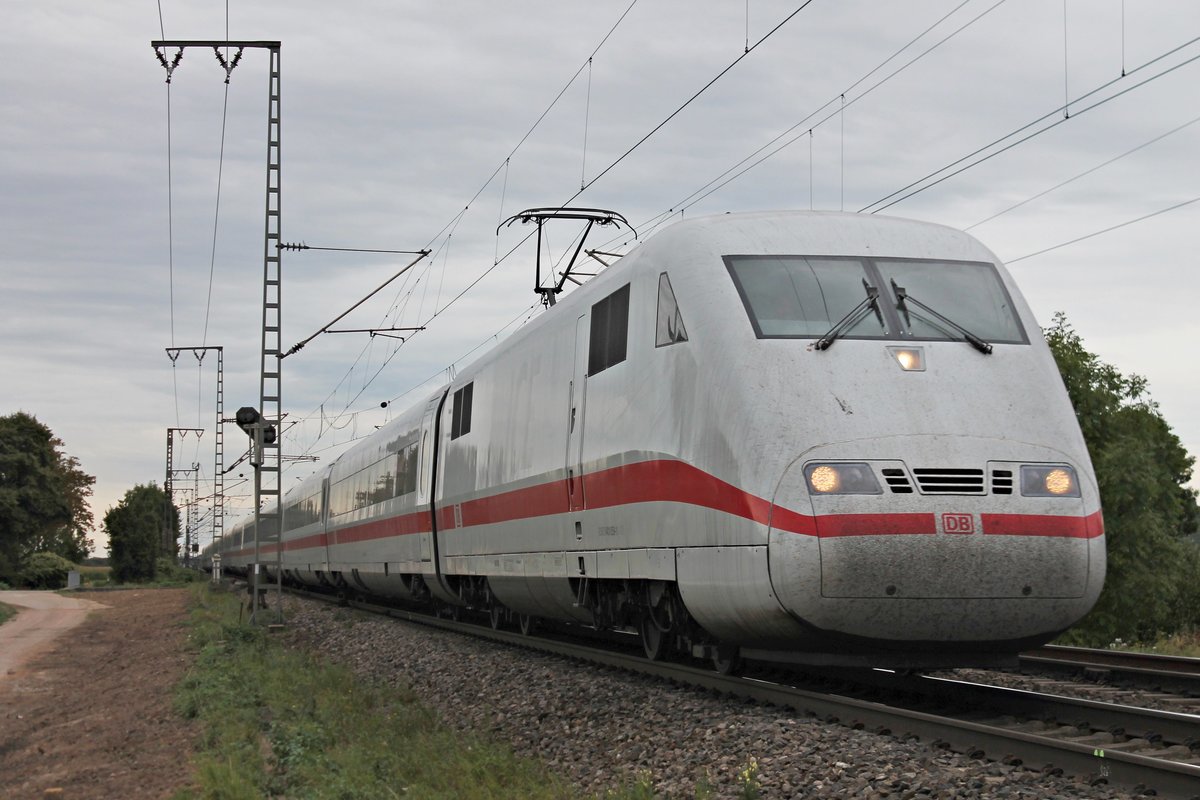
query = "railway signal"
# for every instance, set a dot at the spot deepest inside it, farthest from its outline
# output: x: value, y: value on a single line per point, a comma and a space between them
x: 260, y: 431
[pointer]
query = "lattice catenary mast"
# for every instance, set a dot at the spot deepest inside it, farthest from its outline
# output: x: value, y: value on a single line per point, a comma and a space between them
x: 270, y: 383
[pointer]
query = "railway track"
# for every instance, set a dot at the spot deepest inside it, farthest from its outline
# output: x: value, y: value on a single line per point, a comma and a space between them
x: 1150, y: 671
x: 1140, y: 749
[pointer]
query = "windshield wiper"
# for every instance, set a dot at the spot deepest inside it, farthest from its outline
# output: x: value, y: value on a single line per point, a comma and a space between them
x: 972, y: 339
x: 856, y: 313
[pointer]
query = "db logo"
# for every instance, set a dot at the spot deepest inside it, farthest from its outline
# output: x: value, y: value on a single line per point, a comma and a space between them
x: 958, y: 523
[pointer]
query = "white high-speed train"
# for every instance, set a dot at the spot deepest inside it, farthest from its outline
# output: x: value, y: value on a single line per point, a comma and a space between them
x: 819, y: 437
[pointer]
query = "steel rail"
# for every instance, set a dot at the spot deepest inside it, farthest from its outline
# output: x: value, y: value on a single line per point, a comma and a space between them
x: 1089, y: 760
x: 1177, y: 674
x: 1146, y: 728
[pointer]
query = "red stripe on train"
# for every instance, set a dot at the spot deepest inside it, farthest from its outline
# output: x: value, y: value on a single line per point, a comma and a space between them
x: 671, y: 481
x: 833, y: 525
x: 1088, y: 527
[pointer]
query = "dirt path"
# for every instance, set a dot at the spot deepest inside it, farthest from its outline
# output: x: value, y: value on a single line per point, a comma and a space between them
x: 43, y: 617
x: 89, y: 712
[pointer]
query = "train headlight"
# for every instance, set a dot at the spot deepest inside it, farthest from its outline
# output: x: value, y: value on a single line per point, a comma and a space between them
x: 841, y: 479
x: 1048, y: 480
x: 910, y: 359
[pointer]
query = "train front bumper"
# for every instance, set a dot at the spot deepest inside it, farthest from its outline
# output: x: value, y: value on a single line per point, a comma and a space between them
x: 943, y: 555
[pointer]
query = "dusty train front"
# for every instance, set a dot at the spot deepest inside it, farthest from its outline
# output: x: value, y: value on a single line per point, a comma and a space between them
x: 964, y: 544
x: 930, y: 493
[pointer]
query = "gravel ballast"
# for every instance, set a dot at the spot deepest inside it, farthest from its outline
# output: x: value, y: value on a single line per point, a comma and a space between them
x: 599, y: 728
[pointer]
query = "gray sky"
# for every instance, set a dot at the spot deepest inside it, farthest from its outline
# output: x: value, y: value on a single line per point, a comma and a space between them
x: 399, y: 120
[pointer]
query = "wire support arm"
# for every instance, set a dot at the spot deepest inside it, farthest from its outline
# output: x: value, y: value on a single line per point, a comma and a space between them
x: 300, y: 345
x: 387, y: 333
x: 298, y: 246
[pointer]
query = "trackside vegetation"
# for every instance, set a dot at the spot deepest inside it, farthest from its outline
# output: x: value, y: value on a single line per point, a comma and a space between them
x: 1151, y: 591
x: 277, y: 722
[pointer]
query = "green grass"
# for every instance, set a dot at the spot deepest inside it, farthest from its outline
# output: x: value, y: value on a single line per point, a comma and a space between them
x: 278, y: 723
x: 1181, y: 644
x: 6, y: 612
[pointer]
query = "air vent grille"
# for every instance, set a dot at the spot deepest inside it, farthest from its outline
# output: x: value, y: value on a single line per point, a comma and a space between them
x: 949, y: 480
x: 897, y: 481
x: 1002, y: 481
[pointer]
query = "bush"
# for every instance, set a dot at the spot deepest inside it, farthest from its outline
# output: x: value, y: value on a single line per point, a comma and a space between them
x: 167, y: 571
x: 46, y: 571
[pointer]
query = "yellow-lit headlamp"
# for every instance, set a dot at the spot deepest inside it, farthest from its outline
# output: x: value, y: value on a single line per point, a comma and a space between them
x: 841, y: 479
x: 1048, y: 480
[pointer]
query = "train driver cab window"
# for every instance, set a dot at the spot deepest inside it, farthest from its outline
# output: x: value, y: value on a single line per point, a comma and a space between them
x: 610, y: 331
x: 802, y: 296
x: 968, y: 292
x: 460, y: 423
x: 670, y: 322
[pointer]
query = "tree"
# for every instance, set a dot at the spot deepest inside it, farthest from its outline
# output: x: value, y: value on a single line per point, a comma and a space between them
x: 1142, y: 470
x: 71, y: 540
x: 134, y: 529
x: 43, y: 495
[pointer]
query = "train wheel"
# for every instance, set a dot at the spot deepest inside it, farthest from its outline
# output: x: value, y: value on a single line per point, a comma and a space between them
x: 496, y: 616
x: 727, y: 660
x: 655, y: 641
x: 527, y: 623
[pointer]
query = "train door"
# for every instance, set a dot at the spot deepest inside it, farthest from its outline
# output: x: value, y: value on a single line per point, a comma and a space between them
x: 578, y: 395
x: 326, y: 516
x: 427, y: 464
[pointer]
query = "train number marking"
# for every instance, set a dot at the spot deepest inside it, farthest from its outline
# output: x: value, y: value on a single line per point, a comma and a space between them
x: 958, y: 523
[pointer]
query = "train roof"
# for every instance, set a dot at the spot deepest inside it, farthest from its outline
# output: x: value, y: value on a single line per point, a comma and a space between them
x: 813, y: 233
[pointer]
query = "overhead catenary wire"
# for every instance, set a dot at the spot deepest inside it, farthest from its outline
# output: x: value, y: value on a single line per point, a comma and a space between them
x: 1066, y: 68
x: 920, y: 184
x: 503, y: 165
x: 526, y: 313
x: 1085, y: 173
x: 693, y: 98
x: 212, y: 265
x: 587, y: 112
x: 1109, y: 229
x: 740, y: 168
x: 170, y: 212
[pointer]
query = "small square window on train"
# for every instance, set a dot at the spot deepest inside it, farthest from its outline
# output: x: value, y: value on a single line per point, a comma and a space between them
x: 610, y: 331
x: 460, y: 423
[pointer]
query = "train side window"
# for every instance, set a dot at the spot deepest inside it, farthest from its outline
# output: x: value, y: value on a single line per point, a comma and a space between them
x: 460, y: 423
x: 670, y: 328
x: 610, y: 331
x: 406, y: 470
